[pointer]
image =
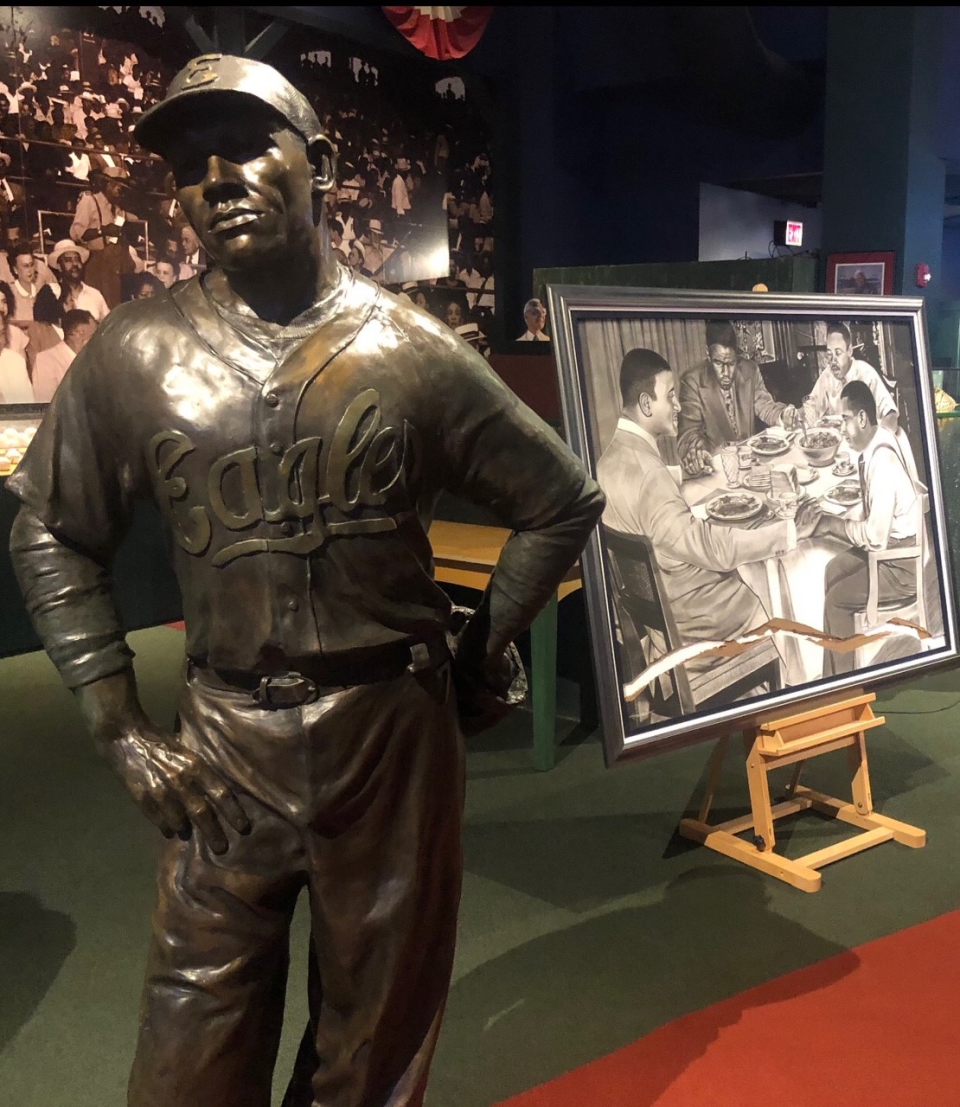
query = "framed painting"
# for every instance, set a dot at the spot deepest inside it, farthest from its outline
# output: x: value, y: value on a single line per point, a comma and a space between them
x: 861, y: 274
x: 774, y: 527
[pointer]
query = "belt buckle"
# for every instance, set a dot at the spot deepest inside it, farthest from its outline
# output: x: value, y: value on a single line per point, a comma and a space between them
x: 420, y: 659
x: 285, y: 690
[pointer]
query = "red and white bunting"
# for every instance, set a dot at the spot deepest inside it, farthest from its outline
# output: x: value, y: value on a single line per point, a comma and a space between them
x: 441, y: 33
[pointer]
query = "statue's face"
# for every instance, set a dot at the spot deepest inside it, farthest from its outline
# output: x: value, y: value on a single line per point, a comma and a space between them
x: 244, y: 182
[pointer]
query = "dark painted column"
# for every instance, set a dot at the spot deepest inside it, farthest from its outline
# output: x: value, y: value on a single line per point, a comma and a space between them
x: 883, y: 178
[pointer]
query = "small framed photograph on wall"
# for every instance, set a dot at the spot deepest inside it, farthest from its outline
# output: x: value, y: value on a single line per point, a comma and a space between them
x: 861, y: 274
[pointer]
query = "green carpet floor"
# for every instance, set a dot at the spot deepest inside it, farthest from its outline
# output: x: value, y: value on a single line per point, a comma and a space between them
x: 585, y: 922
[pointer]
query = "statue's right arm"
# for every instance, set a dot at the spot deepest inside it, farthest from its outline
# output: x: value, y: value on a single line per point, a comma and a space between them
x: 69, y: 596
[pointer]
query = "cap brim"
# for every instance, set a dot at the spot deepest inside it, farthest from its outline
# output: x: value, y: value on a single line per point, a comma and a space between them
x: 162, y: 123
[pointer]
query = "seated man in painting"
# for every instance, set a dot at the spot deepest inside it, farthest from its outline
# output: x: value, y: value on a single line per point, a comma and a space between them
x: 886, y: 518
x: 842, y: 367
x: 698, y: 560
x: 722, y: 399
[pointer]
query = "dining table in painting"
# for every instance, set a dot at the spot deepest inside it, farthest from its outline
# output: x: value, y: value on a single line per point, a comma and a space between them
x: 792, y: 586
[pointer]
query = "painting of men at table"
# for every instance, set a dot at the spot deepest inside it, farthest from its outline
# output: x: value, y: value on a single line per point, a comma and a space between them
x: 772, y: 527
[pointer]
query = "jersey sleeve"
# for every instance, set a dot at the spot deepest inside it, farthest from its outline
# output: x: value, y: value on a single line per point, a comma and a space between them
x: 496, y: 452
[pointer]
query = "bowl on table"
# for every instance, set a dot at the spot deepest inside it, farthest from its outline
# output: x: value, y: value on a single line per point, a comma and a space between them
x: 820, y: 445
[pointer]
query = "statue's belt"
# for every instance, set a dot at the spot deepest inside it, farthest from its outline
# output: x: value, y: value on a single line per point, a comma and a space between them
x: 317, y: 677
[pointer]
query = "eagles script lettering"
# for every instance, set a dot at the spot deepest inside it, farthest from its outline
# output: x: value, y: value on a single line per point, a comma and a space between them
x: 356, y: 471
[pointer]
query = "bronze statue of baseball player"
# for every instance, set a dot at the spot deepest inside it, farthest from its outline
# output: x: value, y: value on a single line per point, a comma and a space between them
x: 296, y: 426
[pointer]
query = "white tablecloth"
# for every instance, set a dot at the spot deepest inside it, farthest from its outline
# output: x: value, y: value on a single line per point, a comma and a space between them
x: 791, y: 587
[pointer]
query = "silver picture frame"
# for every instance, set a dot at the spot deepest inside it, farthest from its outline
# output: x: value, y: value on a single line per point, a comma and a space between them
x: 594, y: 327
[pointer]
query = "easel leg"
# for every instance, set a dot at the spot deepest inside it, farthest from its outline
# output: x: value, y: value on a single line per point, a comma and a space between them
x: 713, y: 779
x: 857, y: 757
x: 764, y: 836
x: 543, y: 657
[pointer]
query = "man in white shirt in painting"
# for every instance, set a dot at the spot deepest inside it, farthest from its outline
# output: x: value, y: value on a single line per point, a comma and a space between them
x: 886, y: 518
x: 698, y: 560
x: 51, y: 365
x: 824, y: 399
x: 535, y: 316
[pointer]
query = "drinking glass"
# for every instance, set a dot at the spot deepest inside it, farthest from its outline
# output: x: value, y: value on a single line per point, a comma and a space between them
x: 730, y: 460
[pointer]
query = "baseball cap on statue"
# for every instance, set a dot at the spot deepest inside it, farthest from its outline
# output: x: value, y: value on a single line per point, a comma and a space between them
x: 225, y: 74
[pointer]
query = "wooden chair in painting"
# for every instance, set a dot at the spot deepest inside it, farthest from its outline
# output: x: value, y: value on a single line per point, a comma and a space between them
x: 914, y: 608
x: 640, y: 598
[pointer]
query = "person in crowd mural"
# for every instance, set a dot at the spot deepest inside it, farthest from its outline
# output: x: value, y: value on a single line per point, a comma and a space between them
x: 68, y: 259
x: 51, y: 365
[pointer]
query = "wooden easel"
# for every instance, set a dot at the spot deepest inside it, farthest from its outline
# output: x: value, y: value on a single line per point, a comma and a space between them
x: 792, y: 740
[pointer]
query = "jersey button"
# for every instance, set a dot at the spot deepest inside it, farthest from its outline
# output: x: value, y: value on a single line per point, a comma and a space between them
x: 287, y: 529
x: 272, y: 399
x: 276, y: 448
x: 292, y: 604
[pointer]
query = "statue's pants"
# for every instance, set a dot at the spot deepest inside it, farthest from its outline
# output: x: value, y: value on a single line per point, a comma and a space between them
x: 358, y: 798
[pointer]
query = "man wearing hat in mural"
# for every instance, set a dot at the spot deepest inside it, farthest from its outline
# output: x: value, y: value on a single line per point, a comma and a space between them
x: 67, y: 259
x: 100, y: 209
x: 296, y: 426
x: 378, y: 251
x: 399, y: 191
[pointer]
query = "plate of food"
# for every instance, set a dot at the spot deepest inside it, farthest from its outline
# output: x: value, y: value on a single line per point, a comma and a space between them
x: 844, y: 494
x: 734, y: 507
x: 769, y: 445
x: 844, y: 467
x: 834, y: 421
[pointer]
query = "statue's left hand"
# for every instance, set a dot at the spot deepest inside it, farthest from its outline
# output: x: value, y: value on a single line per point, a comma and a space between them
x: 487, y: 691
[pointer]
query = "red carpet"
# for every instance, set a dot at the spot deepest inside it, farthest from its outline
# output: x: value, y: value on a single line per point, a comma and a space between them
x: 876, y: 1026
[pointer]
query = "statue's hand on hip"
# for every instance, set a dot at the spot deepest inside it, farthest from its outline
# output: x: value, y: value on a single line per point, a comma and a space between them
x: 174, y: 787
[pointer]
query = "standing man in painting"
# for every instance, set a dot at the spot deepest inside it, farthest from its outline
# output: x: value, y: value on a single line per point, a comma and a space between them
x: 887, y: 518
x: 296, y: 426
x: 722, y: 399
x: 697, y: 559
x: 842, y: 367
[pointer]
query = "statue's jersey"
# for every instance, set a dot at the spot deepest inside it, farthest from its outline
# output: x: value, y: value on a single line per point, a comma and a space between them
x: 297, y: 493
